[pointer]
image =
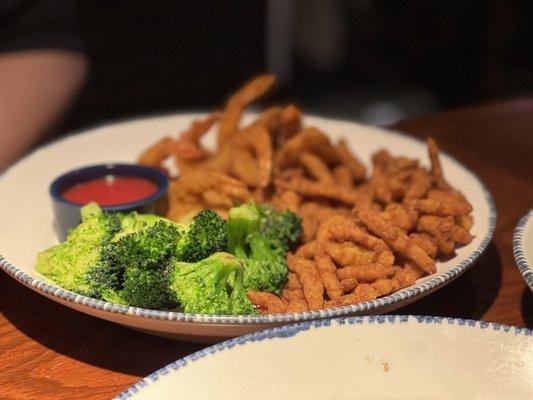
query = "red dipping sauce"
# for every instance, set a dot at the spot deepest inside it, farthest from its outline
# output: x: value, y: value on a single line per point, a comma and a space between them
x: 110, y: 190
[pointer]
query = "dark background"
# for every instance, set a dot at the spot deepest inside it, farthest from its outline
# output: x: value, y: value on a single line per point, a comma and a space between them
x: 398, y: 59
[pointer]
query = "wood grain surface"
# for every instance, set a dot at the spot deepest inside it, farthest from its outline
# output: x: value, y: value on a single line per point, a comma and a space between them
x: 48, y: 351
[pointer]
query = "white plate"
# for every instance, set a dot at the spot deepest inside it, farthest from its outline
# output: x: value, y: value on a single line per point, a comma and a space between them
x: 27, y: 223
x: 523, y: 247
x: 385, y: 357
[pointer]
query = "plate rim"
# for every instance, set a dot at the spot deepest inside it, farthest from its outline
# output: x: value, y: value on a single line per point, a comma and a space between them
x: 431, y: 284
x: 519, y: 249
x: 287, y: 331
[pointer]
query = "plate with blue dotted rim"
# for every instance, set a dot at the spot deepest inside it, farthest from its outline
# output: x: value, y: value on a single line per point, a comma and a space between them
x: 377, y: 357
x: 523, y: 247
x: 27, y: 222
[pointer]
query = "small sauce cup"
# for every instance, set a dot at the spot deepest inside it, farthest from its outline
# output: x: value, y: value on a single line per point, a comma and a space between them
x: 102, y: 177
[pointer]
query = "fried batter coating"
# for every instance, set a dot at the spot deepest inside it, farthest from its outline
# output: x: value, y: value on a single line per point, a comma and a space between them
x: 465, y: 222
x: 205, y: 190
x: 309, y: 140
x: 366, y: 273
x: 385, y: 286
x: 407, y: 275
x: 349, y: 160
x: 363, y: 292
x: 419, y: 185
x: 349, y: 284
x: 292, y: 281
x: 381, y: 185
x: 316, y: 168
x: 307, y: 250
x: 309, y: 277
x: 256, y: 139
x: 343, y: 176
x: 237, y: 103
x: 391, y: 165
x: 267, y: 303
x: 188, y: 146
x: 309, y: 188
x: 397, y: 240
x: 245, y: 167
x: 287, y: 200
x: 292, y: 294
x: 445, y: 232
x: 339, y: 229
x: 297, y: 305
x: 426, y: 242
x: 401, y: 215
x: 442, y: 208
x: 347, y: 253
x: 436, y: 168
x: 312, y: 214
x: 157, y: 153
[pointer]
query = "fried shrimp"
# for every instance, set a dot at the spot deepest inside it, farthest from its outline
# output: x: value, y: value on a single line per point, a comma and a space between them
x: 436, y: 168
x: 237, y: 104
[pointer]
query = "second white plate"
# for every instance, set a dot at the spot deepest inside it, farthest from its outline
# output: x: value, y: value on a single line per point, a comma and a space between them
x: 384, y: 357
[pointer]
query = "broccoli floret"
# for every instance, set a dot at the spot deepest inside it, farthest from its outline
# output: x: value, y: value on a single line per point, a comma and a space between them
x: 146, y: 252
x: 284, y: 227
x: 126, y: 258
x: 203, y: 287
x: 263, y: 257
x: 73, y: 263
x: 134, y: 222
x: 205, y: 235
x: 144, y: 258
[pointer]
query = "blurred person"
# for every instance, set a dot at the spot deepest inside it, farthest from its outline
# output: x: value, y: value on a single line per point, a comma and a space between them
x: 42, y: 69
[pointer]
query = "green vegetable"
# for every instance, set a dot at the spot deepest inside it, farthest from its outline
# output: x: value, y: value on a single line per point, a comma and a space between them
x: 143, y: 257
x: 282, y: 228
x: 204, y: 288
x: 262, y: 252
x: 75, y: 263
x: 205, y: 235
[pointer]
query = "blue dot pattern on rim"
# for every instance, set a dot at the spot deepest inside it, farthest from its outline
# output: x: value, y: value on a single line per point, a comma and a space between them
x: 518, y: 249
x: 292, y: 330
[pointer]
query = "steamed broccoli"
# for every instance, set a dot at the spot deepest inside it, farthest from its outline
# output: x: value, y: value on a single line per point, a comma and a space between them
x: 144, y: 257
x: 203, y: 287
x: 263, y: 256
x: 205, y: 235
x: 145, y: 253
x: 74, y: 263
x: 282, y: 228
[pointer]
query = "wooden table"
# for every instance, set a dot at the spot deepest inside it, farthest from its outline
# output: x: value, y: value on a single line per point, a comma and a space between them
x: 48, y: 351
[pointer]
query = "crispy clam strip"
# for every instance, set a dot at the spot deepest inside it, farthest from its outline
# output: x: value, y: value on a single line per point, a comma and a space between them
x: 314, y: 189
x: 347, y: 158
x: 340, y: 229
x: 267, y: 303
x: 397, y: 239
x: 310, y: 279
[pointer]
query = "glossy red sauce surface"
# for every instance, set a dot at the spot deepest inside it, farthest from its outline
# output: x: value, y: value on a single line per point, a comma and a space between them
x: 111, y: 190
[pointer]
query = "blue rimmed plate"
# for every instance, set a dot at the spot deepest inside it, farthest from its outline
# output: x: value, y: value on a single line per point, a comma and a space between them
x: 523, y: 247
x: 383, y: 357
x: 26, y: 220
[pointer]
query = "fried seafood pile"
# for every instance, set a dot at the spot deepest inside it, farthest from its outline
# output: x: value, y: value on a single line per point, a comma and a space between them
x: 366, y: 234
